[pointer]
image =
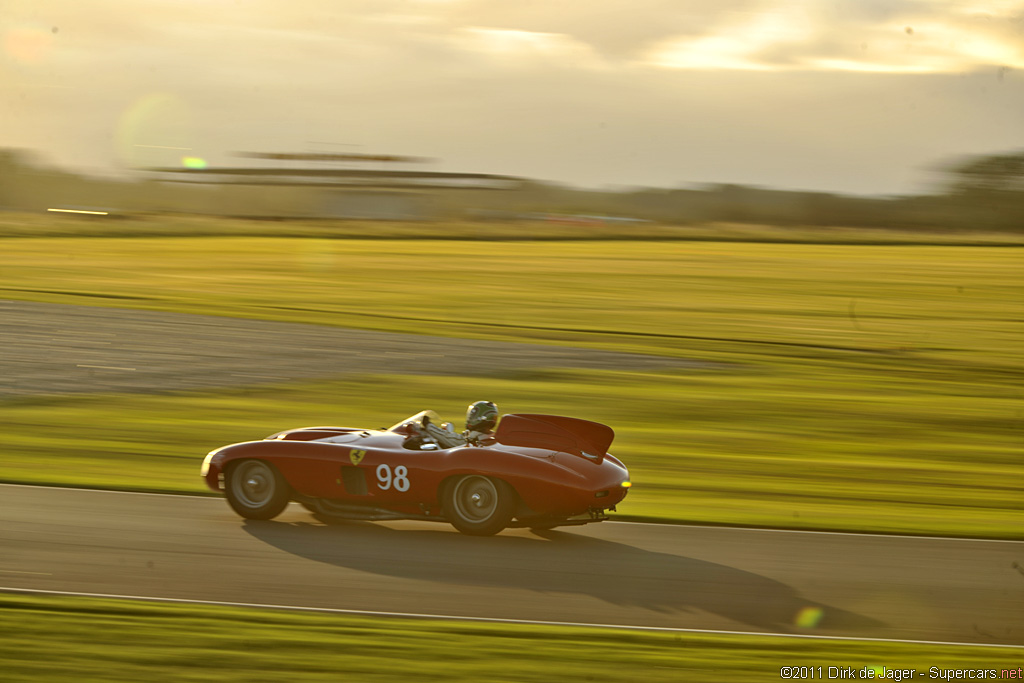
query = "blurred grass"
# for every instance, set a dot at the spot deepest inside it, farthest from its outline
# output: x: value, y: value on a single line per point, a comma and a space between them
x: 62, y: 638
x: 190, y: 225
x: 736, y: 301
x: 796, y: 449
x: 851, y: 387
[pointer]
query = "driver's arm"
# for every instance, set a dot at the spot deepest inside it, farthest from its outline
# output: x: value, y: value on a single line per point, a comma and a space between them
x: 445, y: 437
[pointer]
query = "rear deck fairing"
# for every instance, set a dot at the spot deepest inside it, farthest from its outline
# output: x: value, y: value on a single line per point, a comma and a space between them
x: 565, y: 434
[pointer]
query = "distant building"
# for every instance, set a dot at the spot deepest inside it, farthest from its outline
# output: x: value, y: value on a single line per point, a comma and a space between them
x: 338, y: 192
x: 26, y: 184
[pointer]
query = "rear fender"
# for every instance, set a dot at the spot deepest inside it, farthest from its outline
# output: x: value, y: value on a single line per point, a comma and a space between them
x: 539, y: 482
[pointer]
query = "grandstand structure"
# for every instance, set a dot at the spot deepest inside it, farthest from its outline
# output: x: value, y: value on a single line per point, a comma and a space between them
x: 328, y: 185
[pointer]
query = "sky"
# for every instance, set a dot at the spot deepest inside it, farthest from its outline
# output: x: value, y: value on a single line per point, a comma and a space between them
x: 853, y: 96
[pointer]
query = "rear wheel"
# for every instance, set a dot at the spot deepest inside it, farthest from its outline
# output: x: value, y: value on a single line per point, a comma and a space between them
x: 479, y: 506
x: 256, y: 490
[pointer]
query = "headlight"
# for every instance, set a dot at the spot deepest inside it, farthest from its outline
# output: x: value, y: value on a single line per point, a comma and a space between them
x: 205, y: 469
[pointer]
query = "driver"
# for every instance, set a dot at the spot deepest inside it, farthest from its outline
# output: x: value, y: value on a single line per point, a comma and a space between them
x: 481, y: 417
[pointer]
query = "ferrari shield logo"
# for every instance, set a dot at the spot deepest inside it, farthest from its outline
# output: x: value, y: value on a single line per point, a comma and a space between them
x: 356, y: 455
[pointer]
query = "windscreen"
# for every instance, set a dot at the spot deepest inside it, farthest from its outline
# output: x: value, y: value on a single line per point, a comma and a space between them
x: 421, y: 418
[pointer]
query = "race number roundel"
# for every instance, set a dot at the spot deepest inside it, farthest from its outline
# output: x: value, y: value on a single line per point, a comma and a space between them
x: 399, y: 480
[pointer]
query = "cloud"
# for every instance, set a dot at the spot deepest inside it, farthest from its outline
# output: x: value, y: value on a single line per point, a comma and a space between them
x: 528, y: 48
x: 739, y: 45
x: 856, y: 35
x: 904, y: 37
x: 617, y: 30
x: 295, y: 39
x: 643, y: 91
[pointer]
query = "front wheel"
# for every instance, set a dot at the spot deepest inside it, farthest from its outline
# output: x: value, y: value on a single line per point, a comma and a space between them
x: 479, y: 506
x: 256, y: 490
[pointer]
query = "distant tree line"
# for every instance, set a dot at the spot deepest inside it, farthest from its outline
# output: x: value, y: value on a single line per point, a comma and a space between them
x: 981, y: 194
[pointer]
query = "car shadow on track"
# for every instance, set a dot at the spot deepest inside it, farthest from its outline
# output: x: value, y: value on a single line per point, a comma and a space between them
x: 564, y: 563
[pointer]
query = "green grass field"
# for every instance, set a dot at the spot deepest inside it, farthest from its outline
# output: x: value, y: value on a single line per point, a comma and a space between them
x: 850, y: 387
x: 51, y: 638
x: 189, y: 225
x: 847, y: 386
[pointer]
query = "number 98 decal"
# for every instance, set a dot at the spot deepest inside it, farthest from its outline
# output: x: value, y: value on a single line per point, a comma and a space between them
x: 385, y: 480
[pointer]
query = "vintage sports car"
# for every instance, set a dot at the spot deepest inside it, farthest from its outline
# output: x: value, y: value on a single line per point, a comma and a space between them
x: 538, y: 471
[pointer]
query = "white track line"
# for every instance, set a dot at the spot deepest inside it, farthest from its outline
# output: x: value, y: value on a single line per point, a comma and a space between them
x: 128, y: 493
x: 830, y: 533
x: 612, y: 521
x: 493, y: 620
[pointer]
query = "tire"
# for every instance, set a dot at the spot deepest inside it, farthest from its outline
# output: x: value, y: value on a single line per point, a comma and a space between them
x: 256, y: 490
x: 478, y: 505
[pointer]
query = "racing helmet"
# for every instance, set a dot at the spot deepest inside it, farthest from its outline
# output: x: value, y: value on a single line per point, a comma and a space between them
x: 481, y: 416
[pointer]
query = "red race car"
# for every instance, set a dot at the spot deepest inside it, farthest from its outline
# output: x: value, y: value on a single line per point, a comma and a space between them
x: 537, y: 471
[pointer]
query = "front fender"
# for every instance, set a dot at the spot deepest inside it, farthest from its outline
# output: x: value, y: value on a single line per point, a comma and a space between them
x: 288, y: 456
x: 216, y: 461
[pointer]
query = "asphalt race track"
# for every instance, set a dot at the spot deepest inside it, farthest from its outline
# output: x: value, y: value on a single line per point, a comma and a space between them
x: 180, y: 547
